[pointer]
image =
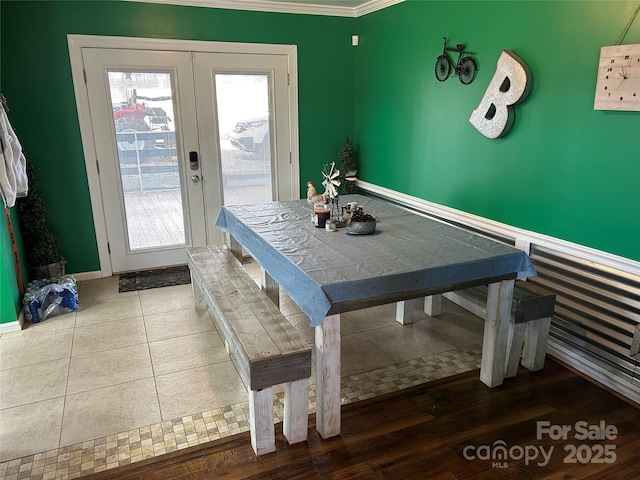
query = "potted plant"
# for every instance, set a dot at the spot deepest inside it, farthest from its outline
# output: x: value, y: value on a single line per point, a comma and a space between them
x: 348, y: 166
x: 43, y: 257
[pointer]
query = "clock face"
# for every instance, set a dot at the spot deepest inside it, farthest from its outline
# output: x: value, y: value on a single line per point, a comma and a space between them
x: 618, y: 85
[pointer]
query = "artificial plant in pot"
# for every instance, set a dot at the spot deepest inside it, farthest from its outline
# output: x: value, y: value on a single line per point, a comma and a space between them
x: 348, y: 166
x: 41, y: 244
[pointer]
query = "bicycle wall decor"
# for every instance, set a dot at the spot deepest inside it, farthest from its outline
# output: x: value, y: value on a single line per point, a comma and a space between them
x: 465, y: 69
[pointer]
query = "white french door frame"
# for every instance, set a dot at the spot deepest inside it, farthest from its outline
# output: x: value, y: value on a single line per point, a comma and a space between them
x: 78, y: 42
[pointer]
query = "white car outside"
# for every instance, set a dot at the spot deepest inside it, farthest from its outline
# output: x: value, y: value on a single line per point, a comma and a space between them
x: 251, y: 135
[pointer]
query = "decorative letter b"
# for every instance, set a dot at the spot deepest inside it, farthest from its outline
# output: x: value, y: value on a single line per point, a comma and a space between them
x: 510, y: 85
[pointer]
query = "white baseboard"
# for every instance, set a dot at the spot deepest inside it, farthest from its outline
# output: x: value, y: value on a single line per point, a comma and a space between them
x: 87, y: 275
x: 593, y: 370
x: 14, y: 326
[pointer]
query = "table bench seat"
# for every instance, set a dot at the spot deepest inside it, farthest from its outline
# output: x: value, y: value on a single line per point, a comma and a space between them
x: 267, y: 349
x: 531, y: 311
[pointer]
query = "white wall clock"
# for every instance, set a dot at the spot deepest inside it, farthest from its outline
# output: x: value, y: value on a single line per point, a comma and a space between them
x: 618, y: 85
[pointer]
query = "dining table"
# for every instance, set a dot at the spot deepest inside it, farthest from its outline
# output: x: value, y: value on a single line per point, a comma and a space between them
x: 409, y: 256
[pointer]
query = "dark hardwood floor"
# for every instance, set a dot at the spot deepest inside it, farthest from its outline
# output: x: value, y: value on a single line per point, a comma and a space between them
x: 441, y: 430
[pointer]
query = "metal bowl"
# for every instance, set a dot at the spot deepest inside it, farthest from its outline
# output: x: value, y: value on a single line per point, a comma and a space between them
x: 361, y: 228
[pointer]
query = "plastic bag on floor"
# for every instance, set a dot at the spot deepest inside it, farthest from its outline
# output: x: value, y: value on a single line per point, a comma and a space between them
x: 49, y: 297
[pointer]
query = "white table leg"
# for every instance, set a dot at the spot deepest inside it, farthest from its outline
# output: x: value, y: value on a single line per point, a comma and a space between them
x: 270, y: 286
x: 433, y: 305
x: 496, y: 333
x: 328, y: 377
x: 404, y: 311
x: 514, y: 348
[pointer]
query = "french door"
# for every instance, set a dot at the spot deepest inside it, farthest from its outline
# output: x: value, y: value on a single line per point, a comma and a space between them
x: 177, y: 133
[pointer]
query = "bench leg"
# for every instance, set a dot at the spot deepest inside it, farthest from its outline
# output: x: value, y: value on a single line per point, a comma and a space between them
x: 270, y: 287
x: 433, y: 305
x: 535, y: 344
x: 198, y: 294
x: 496, y: 332
x: 328, y: 377
x: 296, y: 410
x: 404, y: 311
x: 263, y: 438
x: 514, y: 348
x: 235, y: 247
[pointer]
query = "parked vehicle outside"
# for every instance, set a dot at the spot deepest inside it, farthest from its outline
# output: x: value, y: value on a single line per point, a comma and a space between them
x: 134, y: 116
x: 251, y: 135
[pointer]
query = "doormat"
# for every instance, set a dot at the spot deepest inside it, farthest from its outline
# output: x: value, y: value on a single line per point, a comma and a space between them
x: 159, y: 277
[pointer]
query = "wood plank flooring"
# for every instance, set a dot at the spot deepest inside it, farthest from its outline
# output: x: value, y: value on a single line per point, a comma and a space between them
x: 423, y: 433
x: 154, y: 219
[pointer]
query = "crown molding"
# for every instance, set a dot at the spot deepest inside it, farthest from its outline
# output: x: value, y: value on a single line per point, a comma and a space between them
x: 374, y: 6
x: 283, y: 7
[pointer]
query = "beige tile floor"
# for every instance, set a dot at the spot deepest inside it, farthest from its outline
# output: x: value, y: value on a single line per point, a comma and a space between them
x: 133, y: 375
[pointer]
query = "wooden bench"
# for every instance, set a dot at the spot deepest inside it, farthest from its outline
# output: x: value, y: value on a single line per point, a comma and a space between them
x: 266, y: 347
x: 531, y: 311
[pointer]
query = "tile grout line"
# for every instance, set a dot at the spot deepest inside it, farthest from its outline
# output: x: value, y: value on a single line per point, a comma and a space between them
x: 66, y: 387
x: 153, y: 370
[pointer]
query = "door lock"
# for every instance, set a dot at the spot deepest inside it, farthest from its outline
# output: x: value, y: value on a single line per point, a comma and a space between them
x: 193, y: 161
x: 195, y: 178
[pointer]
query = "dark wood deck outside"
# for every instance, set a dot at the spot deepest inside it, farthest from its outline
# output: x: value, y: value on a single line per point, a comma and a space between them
x: 423, y: 432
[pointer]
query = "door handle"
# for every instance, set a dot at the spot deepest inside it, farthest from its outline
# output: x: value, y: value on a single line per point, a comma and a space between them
x: 195, y: 178
x: 193, y: 161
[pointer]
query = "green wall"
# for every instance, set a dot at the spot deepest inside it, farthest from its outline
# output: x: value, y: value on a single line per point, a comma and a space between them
x: 564, y: 170
x: 36, y: 79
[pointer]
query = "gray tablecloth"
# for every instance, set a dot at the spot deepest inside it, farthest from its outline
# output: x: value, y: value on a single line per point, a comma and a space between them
x: 407, y: 252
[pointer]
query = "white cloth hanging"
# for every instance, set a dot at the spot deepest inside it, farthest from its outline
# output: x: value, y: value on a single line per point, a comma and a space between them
x: 13, y: 164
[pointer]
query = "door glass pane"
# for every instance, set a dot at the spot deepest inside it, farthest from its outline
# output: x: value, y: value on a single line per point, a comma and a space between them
x: 143, y: 114
x: 245, y: 141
